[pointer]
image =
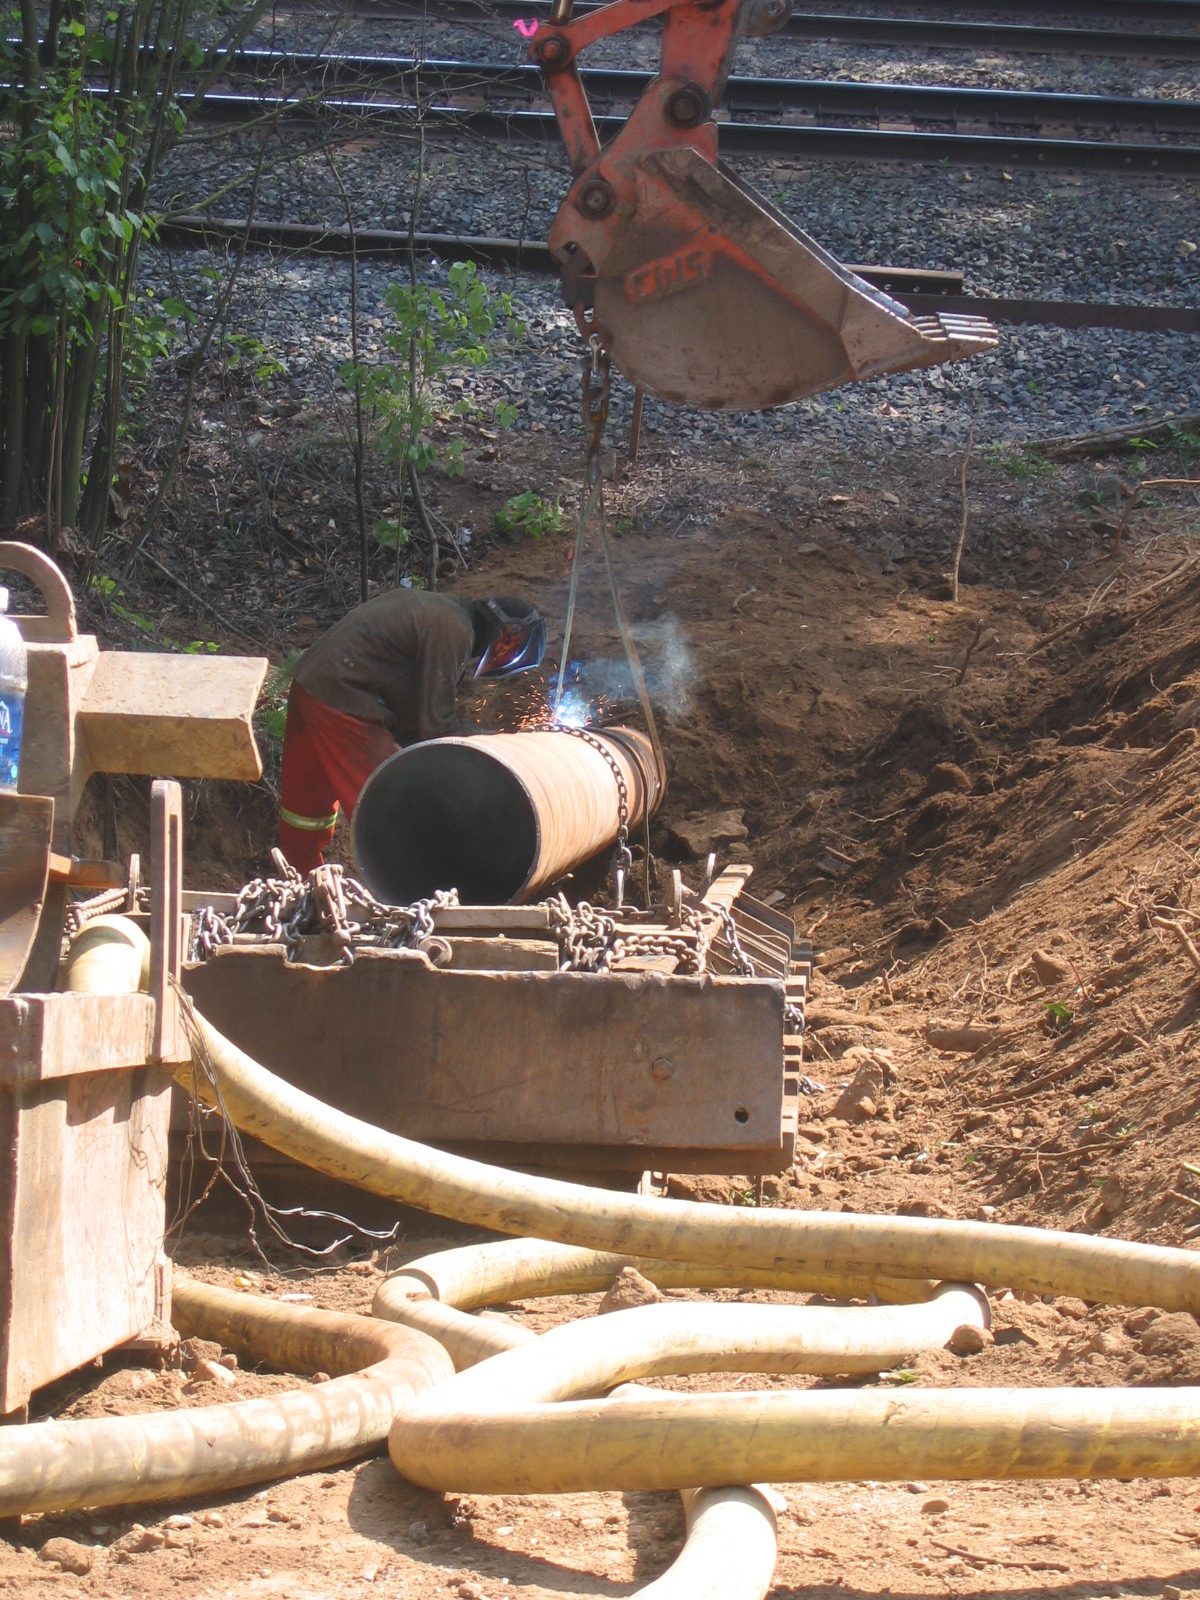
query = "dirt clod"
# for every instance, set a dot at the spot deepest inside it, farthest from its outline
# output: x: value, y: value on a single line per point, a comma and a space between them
x: 630, y: 1288
x: 861, y: 1099
x: 69, y: 1555
x: 968, y: 1340
x: 1052, y: 971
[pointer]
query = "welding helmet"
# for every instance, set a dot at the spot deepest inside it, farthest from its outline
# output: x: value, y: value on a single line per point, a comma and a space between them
x: 515, y: 638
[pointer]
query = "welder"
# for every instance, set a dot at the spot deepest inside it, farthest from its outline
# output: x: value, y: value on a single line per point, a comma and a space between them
x: 386, y: 675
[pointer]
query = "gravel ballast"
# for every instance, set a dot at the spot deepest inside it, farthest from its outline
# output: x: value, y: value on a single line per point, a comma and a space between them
x: 1040, y: 235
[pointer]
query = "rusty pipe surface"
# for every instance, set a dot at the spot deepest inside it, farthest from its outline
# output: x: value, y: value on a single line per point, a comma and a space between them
x: 499, y: 816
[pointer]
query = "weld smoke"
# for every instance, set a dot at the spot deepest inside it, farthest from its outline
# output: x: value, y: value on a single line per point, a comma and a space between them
x: 666, y: 661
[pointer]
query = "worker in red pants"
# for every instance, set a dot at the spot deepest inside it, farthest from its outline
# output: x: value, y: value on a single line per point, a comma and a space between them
x: 386, y: 675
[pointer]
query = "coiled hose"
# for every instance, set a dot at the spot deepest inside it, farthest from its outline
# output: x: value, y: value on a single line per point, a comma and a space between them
x: 516, y: 1423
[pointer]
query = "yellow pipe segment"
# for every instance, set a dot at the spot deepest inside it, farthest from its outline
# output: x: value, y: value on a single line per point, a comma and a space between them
x: 730, y: 1550
x: 516, y: 1423
x: 102, y: 1461
x: 523, y: 1446
x: 482, y: 1275
x: 730, y: 1544
x: 1041, y: 1261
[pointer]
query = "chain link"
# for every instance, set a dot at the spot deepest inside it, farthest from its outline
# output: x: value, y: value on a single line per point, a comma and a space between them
x: 597, y: 380
x: 792, y: 1014
x: 287, y: 909
x: 592, y: 940
x: 80, y: 912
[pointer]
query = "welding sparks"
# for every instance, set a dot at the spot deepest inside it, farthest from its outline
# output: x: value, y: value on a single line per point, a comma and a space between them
x: 533, y: 705
x: 574, y: 710
x: 575, y: 707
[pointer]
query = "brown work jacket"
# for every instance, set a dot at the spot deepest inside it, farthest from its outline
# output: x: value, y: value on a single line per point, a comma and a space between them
x: 398, y: 660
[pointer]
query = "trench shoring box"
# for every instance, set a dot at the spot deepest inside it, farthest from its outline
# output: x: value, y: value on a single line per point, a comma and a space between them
x: 501, y: 1056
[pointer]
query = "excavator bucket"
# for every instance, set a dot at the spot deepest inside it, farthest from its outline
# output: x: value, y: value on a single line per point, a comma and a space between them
x: 710, y: 297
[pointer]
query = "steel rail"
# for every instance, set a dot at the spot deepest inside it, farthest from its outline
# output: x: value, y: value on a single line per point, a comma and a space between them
x: 767, y: 139
x: 517, y: 254
x: 817, y: 97
x: 924, y: 31
x: 921, y: 291
x: 1185, y: 11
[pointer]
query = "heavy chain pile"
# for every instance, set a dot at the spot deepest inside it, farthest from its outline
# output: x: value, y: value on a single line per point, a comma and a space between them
x: 286, y: 909
x: 591, y: 939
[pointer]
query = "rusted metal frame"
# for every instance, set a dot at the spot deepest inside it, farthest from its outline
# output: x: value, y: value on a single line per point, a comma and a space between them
x: 598, y: 23
x: 574, y: 117
x: 26, y: 827
x: 456, y: 1056
x: 166, y: 920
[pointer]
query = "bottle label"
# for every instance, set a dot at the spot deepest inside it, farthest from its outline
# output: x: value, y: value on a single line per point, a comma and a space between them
x: 12, y: 711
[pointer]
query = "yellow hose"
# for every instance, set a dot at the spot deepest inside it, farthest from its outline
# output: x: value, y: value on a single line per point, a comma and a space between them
x: 730, y: 1545
x: 519, y: 1269
x: 507, y: 1441
x: 515, y: 1423
x: 58, y: 1466
x: 730, y: 1550
x: 868, y: 1247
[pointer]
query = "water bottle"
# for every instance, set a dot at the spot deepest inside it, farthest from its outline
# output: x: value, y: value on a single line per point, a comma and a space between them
x: 14, y: 678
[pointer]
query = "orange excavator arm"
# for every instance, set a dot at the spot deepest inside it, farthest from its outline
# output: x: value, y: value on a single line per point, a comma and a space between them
x: 699, y: 289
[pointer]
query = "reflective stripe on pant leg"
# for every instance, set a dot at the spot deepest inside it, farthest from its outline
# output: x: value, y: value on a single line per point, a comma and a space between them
x: 311, y: 824
x: 308, y: 805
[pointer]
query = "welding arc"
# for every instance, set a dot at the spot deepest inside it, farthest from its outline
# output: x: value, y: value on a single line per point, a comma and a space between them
x: 319, y: 1136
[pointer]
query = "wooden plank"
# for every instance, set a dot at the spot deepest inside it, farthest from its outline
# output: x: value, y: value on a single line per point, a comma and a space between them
x: 84, y: 1220
x: 495, y: 953
x: 526, y: 1057
x: 492, y: 919
x: 197, y: 899
x: 58, y: 678
x: 726, y: 887
x: 49, y: 1036
x: 178, y: 715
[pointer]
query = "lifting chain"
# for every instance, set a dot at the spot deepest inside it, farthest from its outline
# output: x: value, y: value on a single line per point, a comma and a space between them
x: 792, y: 1014
x: 622, y: 855
x: 597, y: 381
x: 590, y: 939
x: 286, y: 909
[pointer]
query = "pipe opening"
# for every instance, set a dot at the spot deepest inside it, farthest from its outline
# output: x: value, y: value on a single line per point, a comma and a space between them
x: 445, y: 816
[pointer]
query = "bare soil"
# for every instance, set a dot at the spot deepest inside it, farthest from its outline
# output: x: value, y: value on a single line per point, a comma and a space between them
x: 985, y: 814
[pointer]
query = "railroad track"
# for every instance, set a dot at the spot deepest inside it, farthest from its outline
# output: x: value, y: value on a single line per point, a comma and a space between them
x: 922, y: 291
x: 925, y: 32
x: 776, y: 97
x: 781, y: 141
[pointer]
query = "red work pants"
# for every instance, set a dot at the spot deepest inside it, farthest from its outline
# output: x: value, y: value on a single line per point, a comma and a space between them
x: 327, y: 757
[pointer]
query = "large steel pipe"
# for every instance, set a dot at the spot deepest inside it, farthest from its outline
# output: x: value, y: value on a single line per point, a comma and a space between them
x: 499, y: 816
